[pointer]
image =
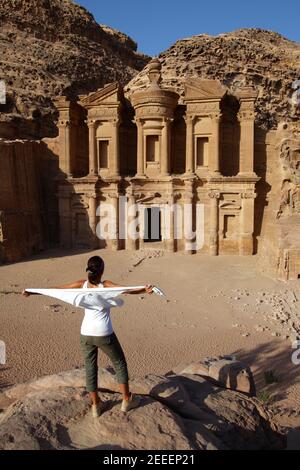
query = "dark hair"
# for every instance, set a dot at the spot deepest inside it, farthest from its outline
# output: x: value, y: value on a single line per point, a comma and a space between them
x: 95, y: 268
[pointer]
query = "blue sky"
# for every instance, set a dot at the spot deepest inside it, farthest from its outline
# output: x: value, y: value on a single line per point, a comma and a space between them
x: 157, y: 24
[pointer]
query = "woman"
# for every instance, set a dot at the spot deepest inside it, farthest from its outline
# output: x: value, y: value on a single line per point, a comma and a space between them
x: 97, y: 332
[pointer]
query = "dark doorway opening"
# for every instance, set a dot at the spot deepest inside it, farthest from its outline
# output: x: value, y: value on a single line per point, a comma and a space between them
x: 152, y: 224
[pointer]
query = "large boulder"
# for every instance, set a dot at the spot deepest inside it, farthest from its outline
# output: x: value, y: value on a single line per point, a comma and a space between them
x: 177, y: 412
x: 224, y: 370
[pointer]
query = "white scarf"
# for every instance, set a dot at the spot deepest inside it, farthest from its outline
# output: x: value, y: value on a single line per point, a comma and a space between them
x: 103, y: 297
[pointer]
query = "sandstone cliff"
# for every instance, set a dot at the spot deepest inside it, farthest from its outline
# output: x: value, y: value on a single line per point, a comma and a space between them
x: 255, y: 57
x: 28, y: 206
x: 53, y: 47
x: 178, y: 412
x: 280, y: 236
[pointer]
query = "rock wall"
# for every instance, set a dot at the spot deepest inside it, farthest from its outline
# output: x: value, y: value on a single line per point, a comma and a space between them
x: 28, y: 207
x: 49, y: 48
x: 261, y: 58
x: 279, y: 252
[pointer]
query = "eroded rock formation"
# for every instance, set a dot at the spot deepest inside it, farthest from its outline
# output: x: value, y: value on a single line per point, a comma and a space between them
x: 289, y: 152
x: 28, y: 206
x: 280, y: 236
x: 264, y: 59
x: 178, y: 411
x: 48, y: 48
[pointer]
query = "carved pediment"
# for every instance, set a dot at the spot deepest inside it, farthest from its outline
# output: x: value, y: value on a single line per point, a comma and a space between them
x: 110, y: 94
x: 230, y: 205
x: 197, y: 89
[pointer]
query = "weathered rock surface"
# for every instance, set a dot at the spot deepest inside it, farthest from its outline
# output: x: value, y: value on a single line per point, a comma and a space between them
x: 28, y: 204
x: 280, y: 247
x: 177, y: 412
x: 225, y: 370
x: 264, y: 59
x: 48, y: 48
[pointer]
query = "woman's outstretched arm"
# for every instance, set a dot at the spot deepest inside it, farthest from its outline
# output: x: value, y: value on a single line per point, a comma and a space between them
x: 146, y: 290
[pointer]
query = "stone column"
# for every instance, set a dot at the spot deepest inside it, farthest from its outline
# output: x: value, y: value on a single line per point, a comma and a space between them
x: 2, y: 239
x: 131, y: 243
x: 188, y: 199
x: 114, y: 200
x: 65, y: 147
x: 246, y: 144
x: 214, y: 222
x: 214, y: 151
x: 68, y: 149
x: 190, y: 154
x: 115, y: 164
x: 171, y: 242
x: 93, y: 160
x: 247, y: 223
x: 141, y: 216
x: 65, y: 220
x: 246, y: 119
x: 92, y: 219
x: 165, y: 157
x: 140, y: 149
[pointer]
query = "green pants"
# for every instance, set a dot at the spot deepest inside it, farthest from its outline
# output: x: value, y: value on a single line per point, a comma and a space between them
x: 111, y: 347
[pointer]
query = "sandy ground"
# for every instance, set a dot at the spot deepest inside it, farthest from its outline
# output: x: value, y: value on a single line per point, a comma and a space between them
x: 214, y: 306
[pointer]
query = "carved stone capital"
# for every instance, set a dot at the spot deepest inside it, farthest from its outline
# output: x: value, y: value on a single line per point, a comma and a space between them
x: 246, y: 115
x: 64, y: 123
x: 91, y: 123
x: 139, y: 121
x: 216, y: 117
x: 167, y: 120
x: 190, y: 119
x: 113, y: 195
x: 214, y: 194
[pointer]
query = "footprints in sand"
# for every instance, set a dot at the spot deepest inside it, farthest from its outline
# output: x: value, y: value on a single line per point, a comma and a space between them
x: 177, y: 325
x: 138, y: 258
x: 281, y: 310
x: 12, y: 289
x: 143, y: 255
x: 57, y: 308
x: 277, y: 312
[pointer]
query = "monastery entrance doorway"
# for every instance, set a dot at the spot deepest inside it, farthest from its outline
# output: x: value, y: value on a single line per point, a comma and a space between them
x: 152, y: 221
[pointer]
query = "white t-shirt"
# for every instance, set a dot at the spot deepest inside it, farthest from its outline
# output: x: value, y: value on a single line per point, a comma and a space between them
x: 96, y: 321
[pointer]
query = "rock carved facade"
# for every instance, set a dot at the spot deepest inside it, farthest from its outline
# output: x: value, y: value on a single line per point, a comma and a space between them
x: 162, y: 159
